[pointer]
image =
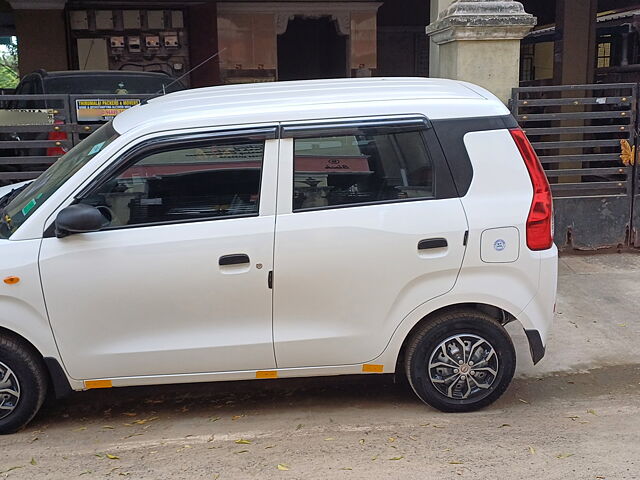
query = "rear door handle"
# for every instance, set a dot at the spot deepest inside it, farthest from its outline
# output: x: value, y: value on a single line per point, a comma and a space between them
x: 428, y: 243
x: 234, y: 259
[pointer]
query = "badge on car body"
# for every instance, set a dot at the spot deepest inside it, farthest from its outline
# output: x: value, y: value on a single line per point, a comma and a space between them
x: 499, y: 245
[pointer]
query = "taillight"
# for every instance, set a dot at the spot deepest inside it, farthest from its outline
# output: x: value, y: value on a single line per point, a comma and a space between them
x: 540, y: 219
x: 60, y: 136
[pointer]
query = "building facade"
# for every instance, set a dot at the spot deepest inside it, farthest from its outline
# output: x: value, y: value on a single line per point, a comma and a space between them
x: 228, y: 41
x: 219, y: 42
x: 581, y: 41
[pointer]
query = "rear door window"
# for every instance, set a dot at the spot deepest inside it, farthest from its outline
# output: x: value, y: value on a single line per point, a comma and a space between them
x: 369, y: 165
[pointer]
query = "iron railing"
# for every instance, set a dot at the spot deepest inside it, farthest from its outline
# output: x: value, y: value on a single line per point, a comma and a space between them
x: 579, y: 133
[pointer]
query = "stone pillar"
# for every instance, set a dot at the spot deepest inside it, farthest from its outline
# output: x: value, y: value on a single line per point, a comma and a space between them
x: 479, y: 42
x: 575, y: 48
x: 42, y: 35
x: 436, y: 7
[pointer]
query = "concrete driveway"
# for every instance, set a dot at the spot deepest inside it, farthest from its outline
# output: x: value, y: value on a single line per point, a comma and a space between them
x: 576, y: 415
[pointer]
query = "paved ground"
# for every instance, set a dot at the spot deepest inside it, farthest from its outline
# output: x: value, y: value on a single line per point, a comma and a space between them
x: 576, y: 415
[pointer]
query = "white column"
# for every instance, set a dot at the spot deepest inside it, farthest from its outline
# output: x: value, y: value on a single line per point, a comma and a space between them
x: 437, y: 6
x: 479, y: 42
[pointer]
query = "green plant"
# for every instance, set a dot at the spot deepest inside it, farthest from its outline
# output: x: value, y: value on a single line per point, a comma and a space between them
x: 9, y: 75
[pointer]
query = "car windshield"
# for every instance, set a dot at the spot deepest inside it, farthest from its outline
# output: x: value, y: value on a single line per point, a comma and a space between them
x: 29, y: 199
x: 112, y: 84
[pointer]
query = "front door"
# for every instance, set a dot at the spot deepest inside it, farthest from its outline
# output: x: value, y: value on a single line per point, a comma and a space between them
x: 178, y: 282
x: 368, y: 228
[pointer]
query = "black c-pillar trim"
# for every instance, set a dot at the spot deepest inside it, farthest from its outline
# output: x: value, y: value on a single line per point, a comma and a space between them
x: 450, y: 133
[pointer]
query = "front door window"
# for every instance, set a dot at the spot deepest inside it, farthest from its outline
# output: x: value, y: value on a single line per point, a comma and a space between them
x: 196, y: 182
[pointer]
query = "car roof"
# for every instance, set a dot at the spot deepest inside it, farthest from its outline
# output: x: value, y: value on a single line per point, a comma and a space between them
x: 309, y: 100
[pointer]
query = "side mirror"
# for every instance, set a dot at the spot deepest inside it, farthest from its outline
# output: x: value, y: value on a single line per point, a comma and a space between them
x: 79, y: 218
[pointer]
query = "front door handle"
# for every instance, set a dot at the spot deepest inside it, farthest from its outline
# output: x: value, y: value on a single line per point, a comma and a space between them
x: 234, y: 259
x: 428, y: 243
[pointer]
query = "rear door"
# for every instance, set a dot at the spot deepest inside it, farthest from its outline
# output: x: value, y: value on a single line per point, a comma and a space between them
x: 368, y: 227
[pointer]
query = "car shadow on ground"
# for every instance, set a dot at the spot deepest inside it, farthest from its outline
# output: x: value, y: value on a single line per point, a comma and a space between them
x: 227, y: 398
x: 321, y: 394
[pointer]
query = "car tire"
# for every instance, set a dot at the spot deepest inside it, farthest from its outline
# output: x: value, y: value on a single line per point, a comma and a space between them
x: 23, y: 384
x: 460, y: 361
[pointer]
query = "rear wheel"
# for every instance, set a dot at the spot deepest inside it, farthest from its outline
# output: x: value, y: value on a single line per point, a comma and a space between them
x: 461, y: 361
x: 23, y: 384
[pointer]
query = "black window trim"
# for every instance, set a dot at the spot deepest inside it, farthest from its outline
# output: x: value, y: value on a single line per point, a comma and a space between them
x: 390, y: 124
x: 167, y: 143
x: 321, y: 128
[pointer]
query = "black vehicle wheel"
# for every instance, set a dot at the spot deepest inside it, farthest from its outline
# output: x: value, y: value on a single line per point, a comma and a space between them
x: 461, y: 361
x: 23, y: 384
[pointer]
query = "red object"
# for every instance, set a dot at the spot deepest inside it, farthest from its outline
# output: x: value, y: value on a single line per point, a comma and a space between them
x: 540, y: 219
x: 58, y: 135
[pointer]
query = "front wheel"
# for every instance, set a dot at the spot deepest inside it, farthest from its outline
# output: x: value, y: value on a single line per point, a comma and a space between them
x: 461, y: 361
x: 23, y: 384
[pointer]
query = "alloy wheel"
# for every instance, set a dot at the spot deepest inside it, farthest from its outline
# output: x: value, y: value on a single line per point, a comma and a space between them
x: 9, y: 391
x: 463, y: 366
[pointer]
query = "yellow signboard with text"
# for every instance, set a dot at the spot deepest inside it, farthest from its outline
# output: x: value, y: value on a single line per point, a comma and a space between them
x: 100, y: 110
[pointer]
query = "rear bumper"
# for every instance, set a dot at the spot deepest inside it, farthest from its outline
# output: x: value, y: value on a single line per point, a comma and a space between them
x: 538, y: 315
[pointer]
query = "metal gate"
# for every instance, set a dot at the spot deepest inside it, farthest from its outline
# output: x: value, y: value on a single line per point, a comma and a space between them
x: 585, y: 137
x: 35, y: 130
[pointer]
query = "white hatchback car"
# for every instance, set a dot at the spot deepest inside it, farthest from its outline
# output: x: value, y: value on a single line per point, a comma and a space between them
x: 281, y: 230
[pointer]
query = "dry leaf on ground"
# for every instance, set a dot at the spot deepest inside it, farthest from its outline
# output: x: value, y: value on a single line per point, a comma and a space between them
x: 564, y: 455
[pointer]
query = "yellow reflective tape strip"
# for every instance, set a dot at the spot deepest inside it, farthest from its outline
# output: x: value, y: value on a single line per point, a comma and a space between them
x: 98, y: 384
x: 267, y: 374
x: 370, y: 368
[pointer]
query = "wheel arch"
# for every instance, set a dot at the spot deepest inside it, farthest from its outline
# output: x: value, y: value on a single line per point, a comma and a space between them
x: 56, y: 377
x: 500, y: 314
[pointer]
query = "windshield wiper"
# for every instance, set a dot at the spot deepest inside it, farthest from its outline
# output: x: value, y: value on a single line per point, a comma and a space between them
x: 4, y: 201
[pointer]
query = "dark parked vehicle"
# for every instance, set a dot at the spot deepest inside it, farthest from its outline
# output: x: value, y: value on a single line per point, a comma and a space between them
x: 77, y: 82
